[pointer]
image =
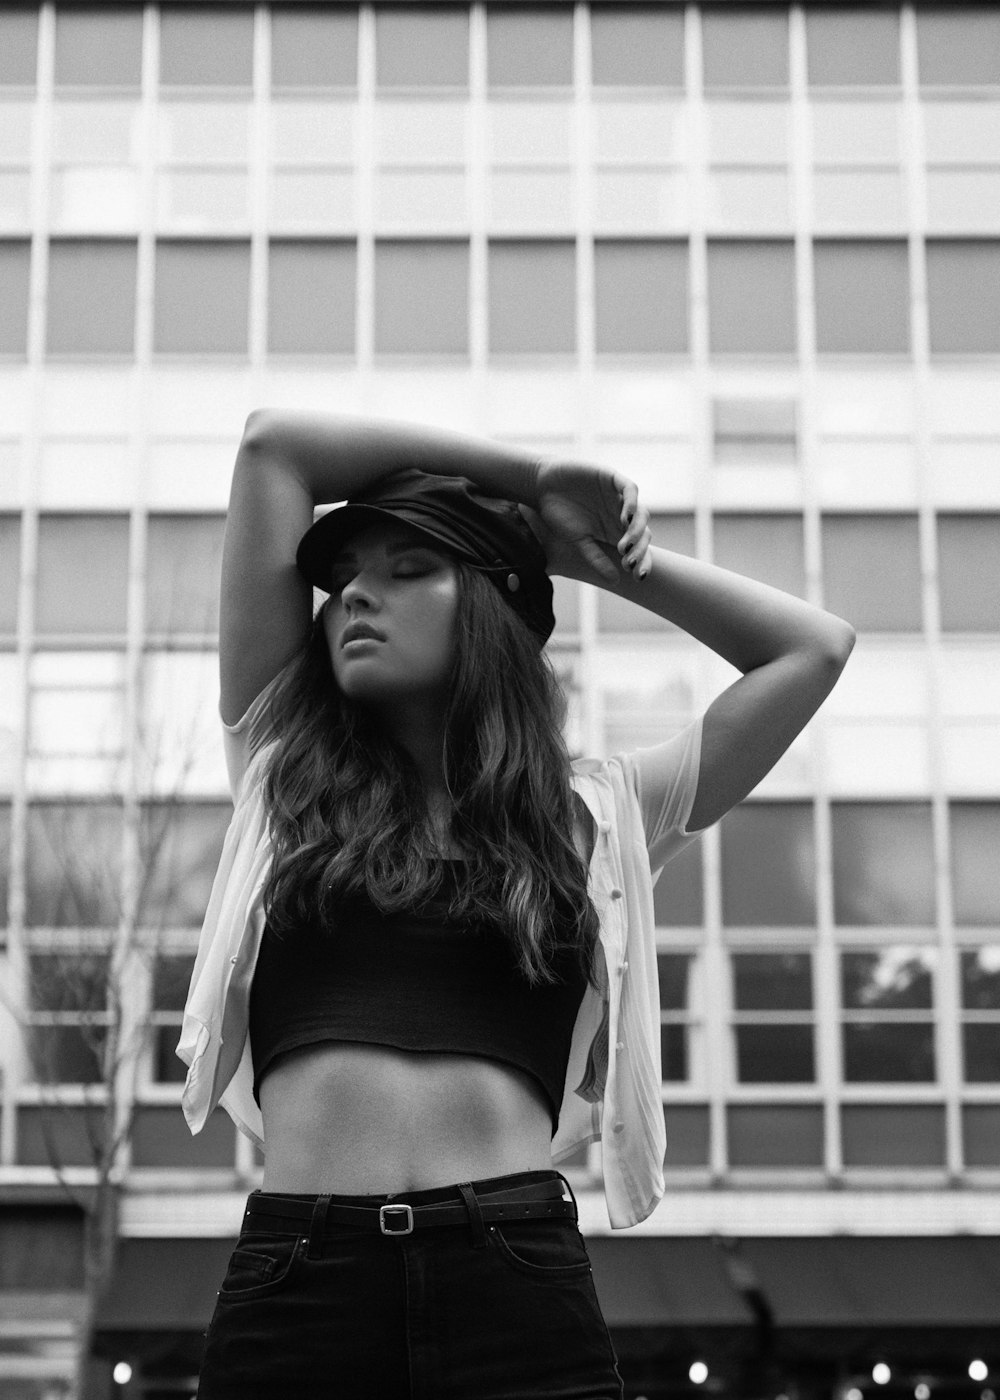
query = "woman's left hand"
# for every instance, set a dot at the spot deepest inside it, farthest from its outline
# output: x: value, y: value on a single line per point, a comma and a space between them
x: 590, y: 523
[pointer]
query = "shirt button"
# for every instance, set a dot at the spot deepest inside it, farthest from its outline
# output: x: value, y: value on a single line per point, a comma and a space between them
x: 604, y: 828
x: 616, y: 894
x: 620, y: 1045
x: 233, y: 958
x: 619, y: 1127
x: 623, y: 967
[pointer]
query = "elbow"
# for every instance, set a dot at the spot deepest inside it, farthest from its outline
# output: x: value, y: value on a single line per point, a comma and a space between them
x: 841, y: 641
x: 259, y: 423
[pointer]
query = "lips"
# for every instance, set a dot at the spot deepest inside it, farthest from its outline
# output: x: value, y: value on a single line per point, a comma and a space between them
x: 357, y: 631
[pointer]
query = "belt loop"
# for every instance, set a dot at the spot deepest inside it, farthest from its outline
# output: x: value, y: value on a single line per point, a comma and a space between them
x: 576, y: 1208
x: 316, y: 1227
x: 475, y: 1214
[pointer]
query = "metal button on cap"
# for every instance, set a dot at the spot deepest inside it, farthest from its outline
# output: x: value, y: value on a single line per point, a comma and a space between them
x: 513, y: 582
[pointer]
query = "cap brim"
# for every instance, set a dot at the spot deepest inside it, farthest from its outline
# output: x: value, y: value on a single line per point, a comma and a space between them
x: 321, y: 541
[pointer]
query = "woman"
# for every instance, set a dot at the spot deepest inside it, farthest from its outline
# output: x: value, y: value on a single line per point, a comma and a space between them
x: 428, y: 966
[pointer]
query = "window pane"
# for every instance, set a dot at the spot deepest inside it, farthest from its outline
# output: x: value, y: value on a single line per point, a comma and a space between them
x: 67, y: 1054
x: 888, y: 1054
x: 674, y: 1057
x: 4, y: 860
x: 981, y: 978
x: 677, y: 895
x: 674, y: 974
x: 168, y: 1068
x: 18, y: 45
x: 311, y: 297
x: 202, y: 297
x: 10, y: 571
x: 969, y: 572
x: 958, y: 45
x: 184, y: 553
x: 532, y: 291
x: 883, y: 863
x: 641, y: 296
x: 313, y: 46
x: 15, y: 255
x: 421, y: 297
x: 180, y: 848
x: 171, y: 980
x: 893, y: 1135
x: 766, y: 547
x: 776, y: 837
x: 751, y: 296
x: 975, y: 870
x: 862, y: 297
x: 422, y: 47
x: 775, y: 1054
x: 98, y: 47
x: 887, y: 979
x: 772, y: 981
x: 74, y: 864
x: 755, y: 432
x: 747, y: 48
x: 963, y: 295
x: 91, y: 296
x: 68, y: 981
x: 82, y: 574
x: 981, y: 1053
x: 615, y: 614
x: 206, y: 47
x: 636, y: 45
x: 871, y: 571
x: 529, y: 47
x: 774, y: 1135
x: 852, y: 47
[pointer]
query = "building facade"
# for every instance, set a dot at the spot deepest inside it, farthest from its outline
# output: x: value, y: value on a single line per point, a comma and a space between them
x: 749, y: 254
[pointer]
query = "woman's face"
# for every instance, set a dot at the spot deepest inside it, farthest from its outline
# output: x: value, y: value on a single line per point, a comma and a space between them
x: 388, y: 582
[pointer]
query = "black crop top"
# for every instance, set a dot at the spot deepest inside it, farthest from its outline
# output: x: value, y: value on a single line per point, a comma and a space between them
x: 415, y: 983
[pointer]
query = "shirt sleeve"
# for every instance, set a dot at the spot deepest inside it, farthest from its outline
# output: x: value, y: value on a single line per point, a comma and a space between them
x: 240, y: 740
x: 666, y: 780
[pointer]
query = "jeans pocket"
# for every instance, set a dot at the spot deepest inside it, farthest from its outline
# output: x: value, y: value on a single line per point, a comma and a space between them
x: 544, y: 1249
x: 259, y: 1266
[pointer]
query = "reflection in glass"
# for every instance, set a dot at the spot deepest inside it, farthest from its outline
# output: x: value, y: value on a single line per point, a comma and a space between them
x: 883, y: 863
x: 886, y: 979
x: 180, y: 844
x: 981, y: 978
x: 975, y: 869
x: 74, y: 864
x: 768, y: 864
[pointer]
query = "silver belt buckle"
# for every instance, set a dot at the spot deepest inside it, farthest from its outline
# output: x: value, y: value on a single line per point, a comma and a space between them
x: 407, y: 1214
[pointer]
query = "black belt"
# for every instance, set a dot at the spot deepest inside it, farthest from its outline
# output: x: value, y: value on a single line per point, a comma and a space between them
x: 399, y: 1218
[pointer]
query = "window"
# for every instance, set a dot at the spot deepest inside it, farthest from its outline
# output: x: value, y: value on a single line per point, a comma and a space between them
x: 15, y: 255
x: 529, y: 47
x: 962, y: 150
x: 532, y: 297
x: 91, y: 296
x: 615, y: 614
x: 313, y: 46
x: 311, y: 297
x: 184, y: 553
x: 678, y: 897
x: 852, y: 47
x: 963, y: 295
x: 74, y: 864
x: 82, y: 575
x: 751, y: 296
x: 886, y: 1135
x: 770, y: 548
x: 421, y: 297
x: 4, y: 860
x: 171, y: 980
x: 636, y: 46
x: 776, y: 837
x: 780, y: 1137
x: 645, y: 695
x: 312, y: 184
x: 981, y: 1014
x: 95, y: 179
x: 883, y: 863
x: 18, y: 46
x: 69, y: 1016
x: 957, y: 45
x: 180, y: 845
x: 98, y: 47
x: 969, y: 572
x: 675, y: 972
x: 76, y: 721
x: 749, y: 149
x: 202, y: 297
x: 862, y: 297
x: 10, y: 572
x: 871, y: 571
x: 755, y: 432
x: 745, y: 48
x: 857, y: 177
x: 772, y: 1018
x: 206, y: 48
x: 203, y: 148
x: 641, y: 296
x: 888, y: 1021
x: 422, y: 47
x: 975, y: 871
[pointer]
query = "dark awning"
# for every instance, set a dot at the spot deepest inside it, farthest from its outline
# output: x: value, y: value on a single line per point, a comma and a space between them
x: 165, y: 1284
x: 656, y: 1281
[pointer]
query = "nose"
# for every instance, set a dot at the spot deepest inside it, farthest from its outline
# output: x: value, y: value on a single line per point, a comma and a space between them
x: 359, y: 594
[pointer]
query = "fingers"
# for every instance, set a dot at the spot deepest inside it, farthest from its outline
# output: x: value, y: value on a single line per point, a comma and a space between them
x: 638, y: 559
x: 635, y: 544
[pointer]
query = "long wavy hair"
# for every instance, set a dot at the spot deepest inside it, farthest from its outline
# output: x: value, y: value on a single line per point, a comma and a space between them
x: 348, y: 817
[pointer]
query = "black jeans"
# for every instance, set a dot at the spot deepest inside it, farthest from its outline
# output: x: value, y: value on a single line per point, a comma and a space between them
x: 314, y: 1310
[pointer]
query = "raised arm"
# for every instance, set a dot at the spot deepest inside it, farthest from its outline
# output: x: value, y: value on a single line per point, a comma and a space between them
x: 289, y: 462
x: 790, y: 653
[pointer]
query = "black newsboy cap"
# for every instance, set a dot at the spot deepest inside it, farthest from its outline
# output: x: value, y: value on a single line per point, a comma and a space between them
x: 488, y: 533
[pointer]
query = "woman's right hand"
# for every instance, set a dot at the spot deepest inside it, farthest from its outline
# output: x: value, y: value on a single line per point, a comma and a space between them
x: 586, y: 516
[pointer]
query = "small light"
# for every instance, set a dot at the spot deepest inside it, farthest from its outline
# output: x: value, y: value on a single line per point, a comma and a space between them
x: 978, y: 1370
x: 987, y: 1395
x: 922, y: 1391
x: 854, y: 1394
x: 698, y: 1372
x: 881, y: 1374
x: 122, y: 1373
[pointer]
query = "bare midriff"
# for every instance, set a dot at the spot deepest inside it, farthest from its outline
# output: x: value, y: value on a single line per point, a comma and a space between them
x: 359, y: 1119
